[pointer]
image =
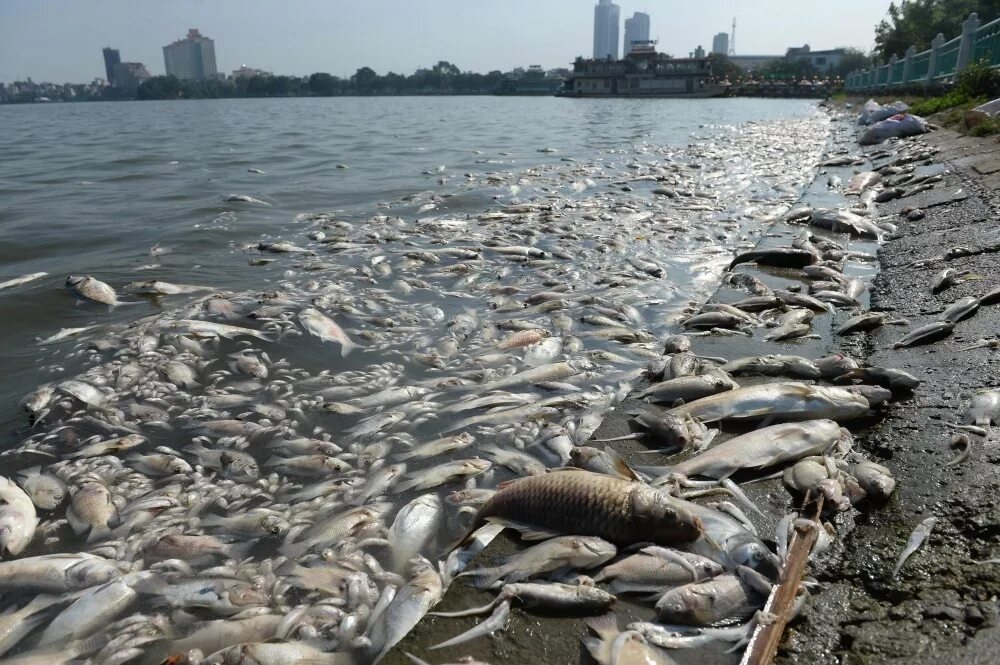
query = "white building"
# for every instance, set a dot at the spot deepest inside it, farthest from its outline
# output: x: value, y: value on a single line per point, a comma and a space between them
x: 636, y: 30
x: 720, y: 43
x: 248, y: 72
x: 606, y: 15
x: 191, y: 58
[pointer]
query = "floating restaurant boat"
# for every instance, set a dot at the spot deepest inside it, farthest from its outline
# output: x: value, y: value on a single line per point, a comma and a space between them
x: 643, y: 73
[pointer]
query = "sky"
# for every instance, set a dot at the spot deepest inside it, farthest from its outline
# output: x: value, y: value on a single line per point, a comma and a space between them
x: 61, y: 40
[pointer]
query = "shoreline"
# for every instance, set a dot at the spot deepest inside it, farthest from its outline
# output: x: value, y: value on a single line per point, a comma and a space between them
x: 852, y: 615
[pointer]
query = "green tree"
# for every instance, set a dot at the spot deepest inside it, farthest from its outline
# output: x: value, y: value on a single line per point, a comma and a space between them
x: 724, y: 68
x: 790, y: 68
x: 323, y: 84
x: 364, y: 79
x: 917, y: 22
x: 160, y: 87
x: 853, y: 59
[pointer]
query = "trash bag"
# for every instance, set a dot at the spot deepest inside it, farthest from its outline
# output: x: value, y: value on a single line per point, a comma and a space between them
x: 899, y: 125
x: 875, y: 112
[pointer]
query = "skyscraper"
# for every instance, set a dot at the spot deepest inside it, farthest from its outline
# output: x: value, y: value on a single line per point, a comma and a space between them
x: 111, y: 58
x: 720, y: 43
x: 636, y: 30
x: 191, y: 58
x: 606, y: 15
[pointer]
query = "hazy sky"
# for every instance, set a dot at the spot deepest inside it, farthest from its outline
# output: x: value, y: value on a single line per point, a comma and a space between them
x: 61, y: 40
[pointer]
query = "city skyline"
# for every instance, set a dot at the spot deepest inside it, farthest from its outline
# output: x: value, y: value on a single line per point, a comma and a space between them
x: 339, y: 37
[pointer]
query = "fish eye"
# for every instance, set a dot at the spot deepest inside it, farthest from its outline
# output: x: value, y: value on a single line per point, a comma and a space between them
x: 275, y: 530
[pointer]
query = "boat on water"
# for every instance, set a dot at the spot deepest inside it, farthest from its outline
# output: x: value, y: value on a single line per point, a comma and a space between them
x: 643, y: 73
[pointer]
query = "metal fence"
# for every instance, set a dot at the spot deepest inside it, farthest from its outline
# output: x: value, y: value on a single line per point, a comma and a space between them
x: 938, y: 65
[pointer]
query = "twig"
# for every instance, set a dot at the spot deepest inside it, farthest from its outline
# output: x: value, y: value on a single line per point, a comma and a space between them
x: 767, y: 636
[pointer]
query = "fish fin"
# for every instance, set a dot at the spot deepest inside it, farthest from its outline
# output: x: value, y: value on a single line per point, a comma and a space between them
x: 622, y: 467
x: 414, y: 659
x: 604, y: 626
x: 483, y: 578
x: 527, y: 531
x: 75, y: 523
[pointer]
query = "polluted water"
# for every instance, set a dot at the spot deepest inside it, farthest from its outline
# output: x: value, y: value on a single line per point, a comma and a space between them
x: 279, y: 475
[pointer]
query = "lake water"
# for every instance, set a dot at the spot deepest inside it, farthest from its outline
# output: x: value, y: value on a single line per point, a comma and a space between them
x: 432, y: 230
x: 89, y: 188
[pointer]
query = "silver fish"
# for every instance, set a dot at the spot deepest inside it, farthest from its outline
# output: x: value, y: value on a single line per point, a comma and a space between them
x: 23, y: 279
x: 778, y: 400
x: 560, y: 553
x: 917, y: 538
x: 17, y: 518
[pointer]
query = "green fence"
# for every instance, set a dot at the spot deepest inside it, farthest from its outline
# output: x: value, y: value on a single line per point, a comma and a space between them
x: 939, y: 65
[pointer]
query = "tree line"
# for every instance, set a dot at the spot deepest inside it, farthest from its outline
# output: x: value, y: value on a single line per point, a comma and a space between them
x: 917, y: 22
x: 442, y: 78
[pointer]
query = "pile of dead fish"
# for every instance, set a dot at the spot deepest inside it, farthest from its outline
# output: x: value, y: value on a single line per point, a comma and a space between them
x: 612, y: 528
x: 275, y: 477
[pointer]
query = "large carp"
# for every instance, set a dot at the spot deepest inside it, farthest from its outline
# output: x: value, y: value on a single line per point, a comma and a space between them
x: 590, y: 504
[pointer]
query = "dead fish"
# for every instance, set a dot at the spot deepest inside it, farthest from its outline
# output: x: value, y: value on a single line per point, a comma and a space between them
x: 689, y: 388
x: 610, y: 646
x: 585, y: 503
x: 23, y: 279
x: 556, y: 554
x: 18, y: 519
x: 165, y: 288
x: 245, y: 198
x: 761, y: 448
x: 925, y: 334
x: 317, y: 324
x: 894, y: 379
x: 917, y: 538
x: 876, y: 480
x: 727, y: 596
x: 961, y: 309
x: 777, y: 400
x: 774, y: 365
x: 843, y: 221
x: 984, y: 410
x: 861, y: 181
x: 655, y: 568
x: 601, y: 461
x: 861, y: 322
x: 87, y: 288
x: 943, y: 280
x: 497, y: 621
x: 565, y: 598
x: 782, y: 257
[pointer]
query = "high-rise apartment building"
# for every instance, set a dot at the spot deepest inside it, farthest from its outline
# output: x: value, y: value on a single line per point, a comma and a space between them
x: 606, y: 15
x: 636, y: 30
x: 191, y: 58
x: 112, y: 57
x: 720, y: 43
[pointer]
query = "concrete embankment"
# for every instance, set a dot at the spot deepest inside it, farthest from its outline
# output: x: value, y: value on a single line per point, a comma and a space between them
x: 943, y: 606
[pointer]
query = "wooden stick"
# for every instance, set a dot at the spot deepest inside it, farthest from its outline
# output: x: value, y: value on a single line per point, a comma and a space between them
x: 766, y: 638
